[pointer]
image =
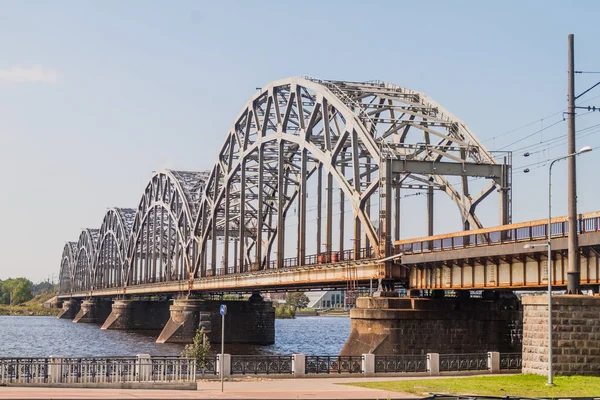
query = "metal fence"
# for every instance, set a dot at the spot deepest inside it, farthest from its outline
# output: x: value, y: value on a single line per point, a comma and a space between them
x: 401, y: 363
x: 258, y: 365
x: 464, y: 362
x: 24, y: 370
x: 97, y: 369
x: 333, y: 364
x: 511, y: 361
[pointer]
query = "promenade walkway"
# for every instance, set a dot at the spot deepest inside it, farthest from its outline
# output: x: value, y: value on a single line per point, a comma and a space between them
x: 250, y: 388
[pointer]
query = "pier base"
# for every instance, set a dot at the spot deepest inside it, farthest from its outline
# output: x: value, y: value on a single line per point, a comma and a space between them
x: 92, y: 311
x: 248, y: 322
x: 575, y: 335
x: 69, y: 310
x: 388, y: 326
x: 137, y: 315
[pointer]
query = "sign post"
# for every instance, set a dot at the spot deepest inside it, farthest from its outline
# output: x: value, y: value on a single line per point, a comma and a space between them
x: 223, y: 312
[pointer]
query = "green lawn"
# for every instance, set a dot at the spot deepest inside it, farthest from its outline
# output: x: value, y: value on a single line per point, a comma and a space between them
x: 508, y: 385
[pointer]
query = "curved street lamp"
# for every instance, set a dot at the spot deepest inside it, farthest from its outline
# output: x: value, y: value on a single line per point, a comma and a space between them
x: 585, y: 149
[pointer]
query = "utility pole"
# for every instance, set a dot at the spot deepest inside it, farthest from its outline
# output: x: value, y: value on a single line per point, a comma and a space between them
x: 573, y: 269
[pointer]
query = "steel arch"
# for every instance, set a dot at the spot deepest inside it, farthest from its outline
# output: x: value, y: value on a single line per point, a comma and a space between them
x: 65, y: 277
x: 161, y: 241
x: 110, y: 261
x: 294, y: 127
x: 84, y: 259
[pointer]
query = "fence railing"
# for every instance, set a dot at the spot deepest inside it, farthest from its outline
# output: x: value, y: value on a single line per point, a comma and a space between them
x: 258, y: 365
x: 401, y: 363
x: 464, y: 362
x: 97, y: 369
x: 145, y: 368
x: 511, y: 361
x: 24, y: 370
x: 333, y: 364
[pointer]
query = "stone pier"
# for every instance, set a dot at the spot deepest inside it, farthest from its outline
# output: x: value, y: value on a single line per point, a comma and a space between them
x: 93, y: 311
x: 575, y: 335
x: 249, y: 322
x: 70, y: 308
x: 137, y: 315
x: 393, y: 325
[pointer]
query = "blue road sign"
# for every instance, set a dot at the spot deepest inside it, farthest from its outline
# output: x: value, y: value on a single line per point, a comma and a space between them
x: 223, y: 309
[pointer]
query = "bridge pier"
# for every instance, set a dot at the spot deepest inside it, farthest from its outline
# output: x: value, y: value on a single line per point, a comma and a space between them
x: 388, y: 325
x: 70, y: 308
x: 575, y: 335
x: 92, y: 311
x: 248, y: 322
x: 137, y: 314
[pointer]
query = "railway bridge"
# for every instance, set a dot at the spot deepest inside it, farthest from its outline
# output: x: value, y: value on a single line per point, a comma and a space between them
x: 306, y: 193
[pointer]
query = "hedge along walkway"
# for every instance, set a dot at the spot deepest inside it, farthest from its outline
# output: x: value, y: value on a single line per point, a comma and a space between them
x: 507, y: 385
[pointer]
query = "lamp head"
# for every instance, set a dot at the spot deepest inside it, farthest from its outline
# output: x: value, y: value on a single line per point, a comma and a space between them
x: 585, y: 149
x: 528, y: 246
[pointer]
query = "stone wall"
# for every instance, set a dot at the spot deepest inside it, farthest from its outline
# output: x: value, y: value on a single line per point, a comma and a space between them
x: 390, y: 326
x: 575, y: 331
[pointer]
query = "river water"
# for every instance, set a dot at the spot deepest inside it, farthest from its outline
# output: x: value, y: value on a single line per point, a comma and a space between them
x: 48, y: 336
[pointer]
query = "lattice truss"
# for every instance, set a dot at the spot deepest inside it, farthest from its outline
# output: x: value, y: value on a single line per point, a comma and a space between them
x: 299, y: 147
x: 161, y: 246
x: 298, y: 128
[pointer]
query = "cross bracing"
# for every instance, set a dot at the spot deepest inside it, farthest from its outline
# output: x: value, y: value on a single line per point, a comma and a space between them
x: 307, y: 166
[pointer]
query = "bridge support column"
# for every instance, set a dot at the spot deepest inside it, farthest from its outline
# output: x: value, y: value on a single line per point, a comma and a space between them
x: 248, y: 322
x: 387, y: 325
x: 575, y: 335
x: 70, y: 308
x: 92, y: 311
x: 137, y: 315
x: 184, y: 320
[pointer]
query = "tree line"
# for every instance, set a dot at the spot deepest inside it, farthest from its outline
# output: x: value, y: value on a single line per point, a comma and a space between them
x: 15, y: 291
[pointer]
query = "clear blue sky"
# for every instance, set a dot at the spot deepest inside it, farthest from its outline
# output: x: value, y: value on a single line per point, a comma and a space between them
x: 94, y: 96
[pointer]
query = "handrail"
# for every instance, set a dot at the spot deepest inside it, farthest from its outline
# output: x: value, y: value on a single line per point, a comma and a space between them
x: 504, y: 234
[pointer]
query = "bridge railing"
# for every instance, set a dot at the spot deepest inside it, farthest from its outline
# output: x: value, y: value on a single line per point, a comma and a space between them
x: 333, y: 257
x: 495, y: 236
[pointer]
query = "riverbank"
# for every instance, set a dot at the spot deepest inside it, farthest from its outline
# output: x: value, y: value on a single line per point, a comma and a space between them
x: 34, y: 307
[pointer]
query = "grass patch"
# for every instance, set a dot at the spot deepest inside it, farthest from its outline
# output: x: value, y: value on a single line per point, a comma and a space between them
x: 508, y: 385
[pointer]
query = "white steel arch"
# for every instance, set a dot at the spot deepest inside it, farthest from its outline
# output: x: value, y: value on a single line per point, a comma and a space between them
x: 299, y: 128
x: 161, y: 241
x: 84, y: 259
x: 111, y: 255
x: 65, y: 277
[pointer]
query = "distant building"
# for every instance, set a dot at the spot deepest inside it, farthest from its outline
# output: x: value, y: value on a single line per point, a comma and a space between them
x: 327, y: 299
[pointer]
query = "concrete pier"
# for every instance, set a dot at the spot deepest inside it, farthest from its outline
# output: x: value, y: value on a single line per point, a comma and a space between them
x: 70, y: 308
x: 388, y: 325
x: 575, y: 335
x: 249, y: 322
x: 93, y: 311
x: 137, y: 314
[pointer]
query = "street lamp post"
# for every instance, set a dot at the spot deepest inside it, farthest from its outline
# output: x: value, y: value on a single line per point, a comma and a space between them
x: 584, y: 149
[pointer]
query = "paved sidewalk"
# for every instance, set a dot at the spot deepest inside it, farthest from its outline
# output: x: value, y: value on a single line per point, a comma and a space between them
x: 321, y: 388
